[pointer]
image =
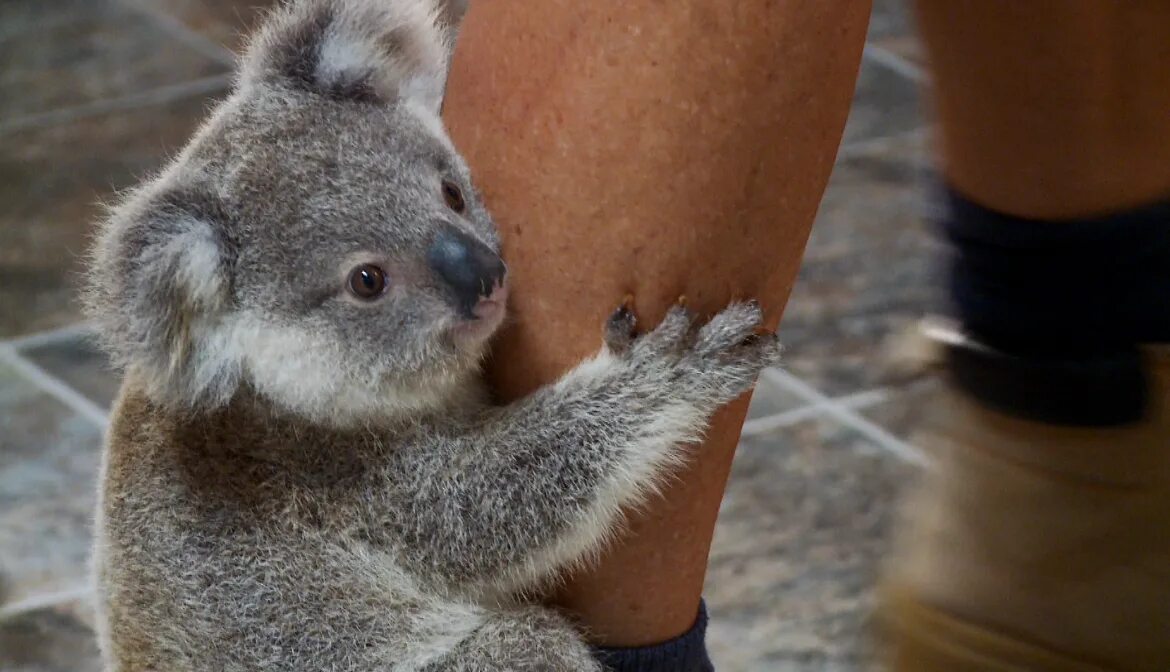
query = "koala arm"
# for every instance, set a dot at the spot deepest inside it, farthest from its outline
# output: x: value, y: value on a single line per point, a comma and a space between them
x: 529, y: 488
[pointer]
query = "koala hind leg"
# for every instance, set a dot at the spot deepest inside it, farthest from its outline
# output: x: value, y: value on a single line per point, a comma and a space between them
x: 522, y: 639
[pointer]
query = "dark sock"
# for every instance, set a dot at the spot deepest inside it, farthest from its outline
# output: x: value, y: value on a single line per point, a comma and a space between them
x: 685, y: 653
x: 1055, y: 288
x: 1061, y: 306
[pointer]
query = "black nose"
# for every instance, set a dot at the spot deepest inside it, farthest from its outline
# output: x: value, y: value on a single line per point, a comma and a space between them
x: 468, y: 267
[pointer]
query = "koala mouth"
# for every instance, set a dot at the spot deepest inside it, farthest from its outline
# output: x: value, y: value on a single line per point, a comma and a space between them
x: 493, y: 305
x: 484, y: 317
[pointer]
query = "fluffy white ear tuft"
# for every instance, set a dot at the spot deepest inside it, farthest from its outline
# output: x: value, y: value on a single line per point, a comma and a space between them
x: 160, y: 289
x: 375, y: 51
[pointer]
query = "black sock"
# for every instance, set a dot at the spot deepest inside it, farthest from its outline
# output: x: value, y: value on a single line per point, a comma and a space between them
x: 1060, y: 288
x: 1061, y: 307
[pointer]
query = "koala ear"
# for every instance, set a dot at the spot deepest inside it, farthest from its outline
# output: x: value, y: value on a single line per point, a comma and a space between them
x: 376, y: 51
x: 159, y: 289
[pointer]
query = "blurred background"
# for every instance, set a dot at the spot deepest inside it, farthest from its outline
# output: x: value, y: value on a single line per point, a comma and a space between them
x: 95, y: 94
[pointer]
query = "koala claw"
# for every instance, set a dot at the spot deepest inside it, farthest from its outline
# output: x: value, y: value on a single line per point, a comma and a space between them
x: 619, y: 328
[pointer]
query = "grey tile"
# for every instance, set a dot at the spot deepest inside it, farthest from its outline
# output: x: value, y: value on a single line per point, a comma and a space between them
x: 224, y: 21
x: 48, y: 472
x: 73, y: 52
x: 885, y: 103
x: 797, y: 549
x: 52, y: 639
x: 871, y: 269
x: 890, y: 17
x: 769, y: 399
x: 80, y: 363
x: 51, y: 182
x: 892, y: 27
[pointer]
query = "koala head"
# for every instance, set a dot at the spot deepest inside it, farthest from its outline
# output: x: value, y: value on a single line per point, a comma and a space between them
x: 319, y: 240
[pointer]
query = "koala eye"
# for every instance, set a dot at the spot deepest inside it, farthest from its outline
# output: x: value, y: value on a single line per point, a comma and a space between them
x: 453, y: 196
x: 367, y: 282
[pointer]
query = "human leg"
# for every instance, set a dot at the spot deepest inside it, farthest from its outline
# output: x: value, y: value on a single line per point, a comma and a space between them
x: 653, y: 150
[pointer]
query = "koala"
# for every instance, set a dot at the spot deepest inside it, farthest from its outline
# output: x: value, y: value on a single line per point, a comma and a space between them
x: 304, y: 470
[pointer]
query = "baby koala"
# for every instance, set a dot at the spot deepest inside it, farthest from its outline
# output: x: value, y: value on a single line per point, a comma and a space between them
x: 303, y: 471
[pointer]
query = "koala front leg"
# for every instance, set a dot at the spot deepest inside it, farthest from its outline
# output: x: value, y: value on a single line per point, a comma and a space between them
x: 539, y: 484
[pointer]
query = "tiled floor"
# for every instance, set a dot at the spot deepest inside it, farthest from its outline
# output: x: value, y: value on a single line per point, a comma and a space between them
x: 95, y: 93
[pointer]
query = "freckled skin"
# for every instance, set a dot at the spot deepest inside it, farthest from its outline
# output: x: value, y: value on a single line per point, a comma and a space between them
x: 296, y: 478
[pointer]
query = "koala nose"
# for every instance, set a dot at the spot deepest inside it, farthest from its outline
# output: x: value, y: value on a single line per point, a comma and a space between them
x: 470, y: 268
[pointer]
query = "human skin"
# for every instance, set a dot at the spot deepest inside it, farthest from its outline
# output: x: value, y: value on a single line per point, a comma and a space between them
x: 1052, y: 109
x: 654, y: 150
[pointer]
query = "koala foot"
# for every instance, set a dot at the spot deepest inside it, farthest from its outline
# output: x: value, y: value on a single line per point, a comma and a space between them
x: 619, y: 328
x: 714, y: 363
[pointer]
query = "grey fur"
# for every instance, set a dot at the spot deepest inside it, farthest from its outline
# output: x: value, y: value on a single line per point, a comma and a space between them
x: 295, y: 480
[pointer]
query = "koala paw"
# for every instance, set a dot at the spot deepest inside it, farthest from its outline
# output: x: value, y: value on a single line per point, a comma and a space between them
x: 712, y: 364
x: 619, y: 328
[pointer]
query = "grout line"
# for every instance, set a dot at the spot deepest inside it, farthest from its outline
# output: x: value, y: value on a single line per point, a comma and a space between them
x: 39, y: 339
x: 859, y: 401
x: 859, y: 147
x: 157, y: 96
x: 845, y: 416
x: 771, y: 423
x: 175, y: 26
x: 44, y: 600
x: 786, y: 381
x: 55, y: 387
x: 893, y: 61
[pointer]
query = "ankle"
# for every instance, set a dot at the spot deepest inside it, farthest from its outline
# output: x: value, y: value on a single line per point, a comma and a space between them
x: 1105, y: 422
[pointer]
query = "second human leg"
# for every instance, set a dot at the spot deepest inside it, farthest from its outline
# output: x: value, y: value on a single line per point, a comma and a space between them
x: 1038, y: 540
x: 1052, y: 109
